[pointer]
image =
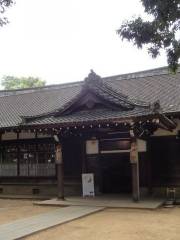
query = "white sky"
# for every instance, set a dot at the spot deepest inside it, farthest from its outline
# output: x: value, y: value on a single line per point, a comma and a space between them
x: 61, y: 40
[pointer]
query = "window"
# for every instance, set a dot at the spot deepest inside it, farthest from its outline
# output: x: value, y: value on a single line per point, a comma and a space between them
x: 8, y: 160
x: 27, y: 159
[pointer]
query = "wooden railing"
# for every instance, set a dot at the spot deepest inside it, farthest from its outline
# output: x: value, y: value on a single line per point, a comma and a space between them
x: 9, y: 170
x: 31, y: 170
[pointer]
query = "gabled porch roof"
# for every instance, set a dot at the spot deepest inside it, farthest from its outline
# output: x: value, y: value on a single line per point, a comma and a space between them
x: 98, y: 102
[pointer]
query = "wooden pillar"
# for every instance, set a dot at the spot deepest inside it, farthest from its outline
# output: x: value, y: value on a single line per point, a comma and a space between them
x: 1, y: 160
x: 84, y: 160
x: 149, y: 169
x: 18, y: 156
x: 135, y: 170
x: 36, y: 153
x: 60, y: 172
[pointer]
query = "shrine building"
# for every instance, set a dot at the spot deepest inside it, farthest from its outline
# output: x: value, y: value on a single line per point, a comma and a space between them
x: 124, y: 129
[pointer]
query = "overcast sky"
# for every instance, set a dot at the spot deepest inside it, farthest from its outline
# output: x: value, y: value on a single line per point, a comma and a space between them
x: 61, y: 40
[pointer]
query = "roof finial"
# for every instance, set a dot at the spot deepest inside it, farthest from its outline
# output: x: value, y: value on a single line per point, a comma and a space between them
x: 92, y: 77
x: 156, y: 106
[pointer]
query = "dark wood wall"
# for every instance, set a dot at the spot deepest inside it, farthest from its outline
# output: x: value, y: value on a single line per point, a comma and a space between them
x: 112, y: 171
x: 72, y: 158
x: 116, y: 173
x: 165, y: 158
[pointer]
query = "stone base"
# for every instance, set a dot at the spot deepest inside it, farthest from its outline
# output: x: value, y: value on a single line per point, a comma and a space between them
x: 162, y: 192
x: 38, y: 189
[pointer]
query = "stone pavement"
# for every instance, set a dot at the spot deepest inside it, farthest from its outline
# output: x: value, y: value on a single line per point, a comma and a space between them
x: 105, y: 201
x: 23, y: 227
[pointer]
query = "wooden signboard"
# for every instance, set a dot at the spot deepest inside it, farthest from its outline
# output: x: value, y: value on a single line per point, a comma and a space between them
x: 92, y: 146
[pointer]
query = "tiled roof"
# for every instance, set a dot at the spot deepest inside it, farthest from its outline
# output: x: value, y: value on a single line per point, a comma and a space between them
x: 143, y: 87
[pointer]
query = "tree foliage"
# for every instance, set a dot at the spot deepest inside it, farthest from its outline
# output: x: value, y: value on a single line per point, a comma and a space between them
x: 4, y: 4
x: 162, y: 32
x: 11, y: 82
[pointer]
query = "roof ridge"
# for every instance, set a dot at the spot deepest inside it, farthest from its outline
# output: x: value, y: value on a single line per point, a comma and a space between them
x: 53, y: 87
x: 34, y: 88
x: 140, y: 74
x: 128, y: 76
x: 56, y: 87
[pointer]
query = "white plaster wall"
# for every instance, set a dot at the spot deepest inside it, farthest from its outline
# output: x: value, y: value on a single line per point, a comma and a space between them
x: 43, y: 135
x: 141, y: 145
x: 22, y: 135
x: 9, y: 136
x: 26, y: 135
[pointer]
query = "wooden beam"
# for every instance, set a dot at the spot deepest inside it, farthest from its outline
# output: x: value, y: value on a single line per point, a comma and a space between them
x: 60, y: 172
x: 135, y: 170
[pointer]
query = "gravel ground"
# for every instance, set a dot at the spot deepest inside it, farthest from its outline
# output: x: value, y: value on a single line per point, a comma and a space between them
x: 110, y: 224
x: 114, y: 224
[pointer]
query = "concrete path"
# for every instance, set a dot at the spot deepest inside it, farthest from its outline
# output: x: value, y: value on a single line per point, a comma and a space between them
x: 104, y: 201
x: 23, y: 227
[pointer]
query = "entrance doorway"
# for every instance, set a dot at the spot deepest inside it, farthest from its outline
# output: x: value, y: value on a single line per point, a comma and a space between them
x: 116, y: 173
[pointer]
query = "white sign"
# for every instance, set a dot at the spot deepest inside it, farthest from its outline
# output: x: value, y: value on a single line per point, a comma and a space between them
x: 88, y: 184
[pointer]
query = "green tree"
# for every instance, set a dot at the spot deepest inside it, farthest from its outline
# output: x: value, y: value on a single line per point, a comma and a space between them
x: 162, y: 32
x: 11, y: 82
x: 4, y: 4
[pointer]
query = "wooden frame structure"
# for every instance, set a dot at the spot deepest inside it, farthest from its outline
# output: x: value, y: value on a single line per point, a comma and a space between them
x: 97, y: 112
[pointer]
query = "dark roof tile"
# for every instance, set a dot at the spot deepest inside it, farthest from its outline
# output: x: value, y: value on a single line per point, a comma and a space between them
x: 148, y: 86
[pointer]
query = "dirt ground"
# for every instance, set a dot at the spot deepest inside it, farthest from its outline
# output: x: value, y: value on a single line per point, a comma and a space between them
x: 115, y: 224
x: 110, y: 224
x: 11, y: 210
